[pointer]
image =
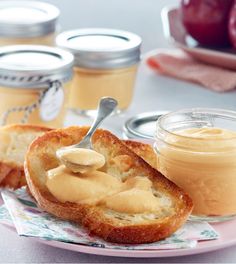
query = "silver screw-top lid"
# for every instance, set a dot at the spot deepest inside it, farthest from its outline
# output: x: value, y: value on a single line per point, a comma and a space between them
x: 24, y: 19
x: 99, y: 48
x: 142, y: 126
x: 32, y: 66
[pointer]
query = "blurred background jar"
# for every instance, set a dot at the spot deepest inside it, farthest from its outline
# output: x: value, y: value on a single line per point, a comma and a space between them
x: 27, y: 22
x: 34, y: 84
x: 106, y: 62
x: 196, y: 149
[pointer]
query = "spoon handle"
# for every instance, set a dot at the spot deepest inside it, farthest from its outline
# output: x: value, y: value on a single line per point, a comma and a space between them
x: 105, y: 108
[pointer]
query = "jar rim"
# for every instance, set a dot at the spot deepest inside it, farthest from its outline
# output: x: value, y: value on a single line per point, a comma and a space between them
x: 16, y: 29
x: 16, y: 71
x: 218, y: 112
x: 123, y: 51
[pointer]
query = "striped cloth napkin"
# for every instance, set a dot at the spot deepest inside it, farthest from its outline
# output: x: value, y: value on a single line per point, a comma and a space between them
x: 180, y: 65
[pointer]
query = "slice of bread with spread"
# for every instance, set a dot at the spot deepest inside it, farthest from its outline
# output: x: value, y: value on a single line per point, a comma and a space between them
x: 14, y: 141
x: 121, y: 163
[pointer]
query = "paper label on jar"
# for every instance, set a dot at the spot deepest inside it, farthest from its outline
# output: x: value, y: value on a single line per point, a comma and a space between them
x: 51, y: 103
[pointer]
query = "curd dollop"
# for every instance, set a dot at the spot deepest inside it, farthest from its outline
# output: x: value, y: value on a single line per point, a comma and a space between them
x: 94, y: 187
x: 81, y: 159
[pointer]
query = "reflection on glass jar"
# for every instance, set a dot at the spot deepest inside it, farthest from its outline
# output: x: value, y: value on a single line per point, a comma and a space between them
x: 27, y: 22
x: 197, y: 150
x: 105, y: 64
x: 34, y: 84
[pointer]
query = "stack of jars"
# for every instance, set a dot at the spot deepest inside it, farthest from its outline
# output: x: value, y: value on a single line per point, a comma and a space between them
x: 38, y: 81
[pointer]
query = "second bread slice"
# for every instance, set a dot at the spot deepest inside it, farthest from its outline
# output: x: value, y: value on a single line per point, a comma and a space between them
x: 14, y: 141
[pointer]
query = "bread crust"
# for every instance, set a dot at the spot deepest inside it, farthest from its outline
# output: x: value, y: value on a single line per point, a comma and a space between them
x: 11, y: 173
x: 41, y: 157
x: 145, y: 151
x: 25, y: 128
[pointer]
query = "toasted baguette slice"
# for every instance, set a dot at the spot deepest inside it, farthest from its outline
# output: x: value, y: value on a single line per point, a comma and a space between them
x: 120, y: 162
x: 143, y: 150
x: 14, y: 141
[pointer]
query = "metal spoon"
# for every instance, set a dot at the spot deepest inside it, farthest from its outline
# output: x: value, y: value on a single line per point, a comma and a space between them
x: 105, y: 108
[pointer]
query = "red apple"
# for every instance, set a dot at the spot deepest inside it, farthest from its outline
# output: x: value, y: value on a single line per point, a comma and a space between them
x: 207, y: 20
x: 232, y: 25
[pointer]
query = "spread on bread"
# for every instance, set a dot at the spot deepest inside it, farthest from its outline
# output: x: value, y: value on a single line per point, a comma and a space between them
x: 106, y: 201
x: 80, y: 159
x: 203, y: 162
x: 85, y: 184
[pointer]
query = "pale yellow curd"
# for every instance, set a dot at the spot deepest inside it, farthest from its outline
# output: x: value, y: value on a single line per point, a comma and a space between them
x: 106, y: 62
x: 95, y: 187
x: 48, y: 40
x: 203, y: 162
x: 81, y: 159
x: 90, y: 85
x: 19, y: 97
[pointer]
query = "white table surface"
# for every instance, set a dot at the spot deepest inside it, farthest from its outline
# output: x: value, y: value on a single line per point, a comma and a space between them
x: 152, y: 93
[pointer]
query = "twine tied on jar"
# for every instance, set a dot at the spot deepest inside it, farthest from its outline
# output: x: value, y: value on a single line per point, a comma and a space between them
x: 28, y: 109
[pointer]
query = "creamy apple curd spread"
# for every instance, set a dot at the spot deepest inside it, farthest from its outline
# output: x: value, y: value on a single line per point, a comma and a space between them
x: 94, y: 187
x: 203, y: 162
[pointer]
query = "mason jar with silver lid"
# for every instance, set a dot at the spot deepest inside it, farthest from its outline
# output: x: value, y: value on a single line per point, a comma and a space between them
x: 27, y: 22
x: 105, y: 64
x: 34, y: 84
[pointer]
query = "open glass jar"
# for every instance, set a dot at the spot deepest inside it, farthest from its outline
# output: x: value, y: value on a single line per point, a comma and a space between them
x: 105, y: 64
x: 34, y: 84
x: 27, y: 22
x: 196, y: 149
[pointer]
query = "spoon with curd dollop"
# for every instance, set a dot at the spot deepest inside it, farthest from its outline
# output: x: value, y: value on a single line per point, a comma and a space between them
x: 81, y: 157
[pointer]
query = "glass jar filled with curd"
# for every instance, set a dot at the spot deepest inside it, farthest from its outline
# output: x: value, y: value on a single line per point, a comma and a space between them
x: 27, y: 22
x: 196, y: 149
x: 34, y: 84
x: 105, y: 64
